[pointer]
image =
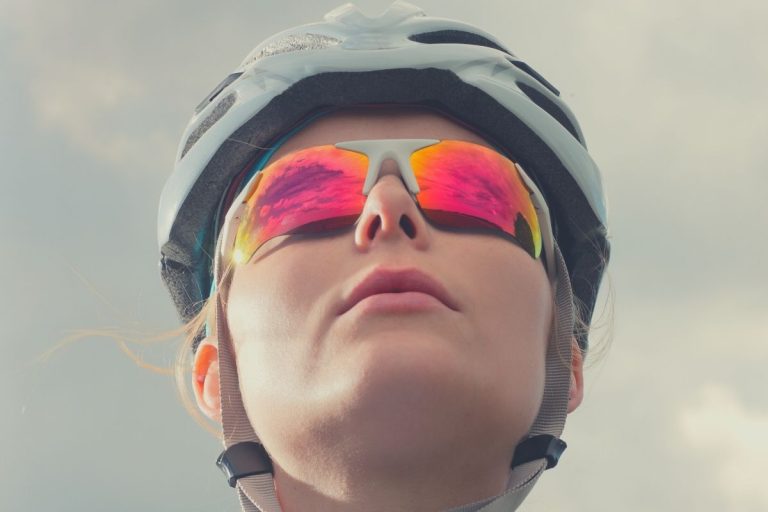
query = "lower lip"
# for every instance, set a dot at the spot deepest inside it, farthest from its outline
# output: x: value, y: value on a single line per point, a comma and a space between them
x: 403, y: 302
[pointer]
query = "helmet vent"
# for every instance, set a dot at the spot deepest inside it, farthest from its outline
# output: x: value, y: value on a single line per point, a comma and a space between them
x: 217, y: 113
x: 529, y: 70
x: 456, y: 37
x: 294, y: 43
x: 216, y: 91
x: 550, y: 107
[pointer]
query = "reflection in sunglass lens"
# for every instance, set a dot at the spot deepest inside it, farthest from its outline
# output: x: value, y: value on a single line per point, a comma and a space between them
x: 316, y: 190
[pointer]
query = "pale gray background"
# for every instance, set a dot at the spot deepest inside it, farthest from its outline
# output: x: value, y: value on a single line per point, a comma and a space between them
x: 672, y: 98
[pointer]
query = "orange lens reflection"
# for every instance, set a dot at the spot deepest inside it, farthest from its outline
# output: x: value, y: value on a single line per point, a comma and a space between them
x: 457, y: 177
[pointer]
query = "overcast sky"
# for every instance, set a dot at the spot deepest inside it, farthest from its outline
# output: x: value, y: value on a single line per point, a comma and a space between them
x: 672, y: 98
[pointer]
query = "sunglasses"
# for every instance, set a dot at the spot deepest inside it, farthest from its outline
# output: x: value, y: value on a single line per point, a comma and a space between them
x: 457, y: 185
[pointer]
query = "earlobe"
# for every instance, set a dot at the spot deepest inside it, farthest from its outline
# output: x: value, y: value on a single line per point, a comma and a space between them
x: 205, y: 379
x: 576, y: 393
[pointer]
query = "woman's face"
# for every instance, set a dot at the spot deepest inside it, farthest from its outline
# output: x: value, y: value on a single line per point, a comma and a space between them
x: 389, y: 385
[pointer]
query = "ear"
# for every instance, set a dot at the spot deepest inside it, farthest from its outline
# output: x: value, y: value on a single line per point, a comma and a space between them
x: 205, y: 379
x: 576, y: 393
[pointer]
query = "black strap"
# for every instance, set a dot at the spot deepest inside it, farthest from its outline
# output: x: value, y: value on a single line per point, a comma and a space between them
x: 244, y: 459
x: 543, y: 446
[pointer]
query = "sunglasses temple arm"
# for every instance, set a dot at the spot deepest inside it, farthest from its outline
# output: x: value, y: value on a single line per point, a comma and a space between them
x: 545, y: 225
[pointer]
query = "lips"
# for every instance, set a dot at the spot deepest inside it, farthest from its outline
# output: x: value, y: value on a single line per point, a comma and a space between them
x: 383, y: 280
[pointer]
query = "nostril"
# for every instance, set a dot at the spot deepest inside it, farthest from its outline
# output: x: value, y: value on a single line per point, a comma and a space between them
x: 407, y: 224
x: 373, y: 227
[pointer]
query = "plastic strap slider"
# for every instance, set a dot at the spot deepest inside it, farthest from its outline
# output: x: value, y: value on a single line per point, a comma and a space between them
x: 543, y: 446
x: 244, y: 459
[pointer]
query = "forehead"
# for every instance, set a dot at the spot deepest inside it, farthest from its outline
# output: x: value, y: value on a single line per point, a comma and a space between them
x: 378, y: 123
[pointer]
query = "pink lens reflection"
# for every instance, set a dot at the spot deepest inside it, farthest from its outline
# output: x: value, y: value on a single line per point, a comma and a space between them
x: 458, y: 177
x: 301, y: 189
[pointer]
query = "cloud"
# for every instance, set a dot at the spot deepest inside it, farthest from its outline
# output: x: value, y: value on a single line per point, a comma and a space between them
x: 91, y: 81
x: 735, y: 438
x: 86, y: 106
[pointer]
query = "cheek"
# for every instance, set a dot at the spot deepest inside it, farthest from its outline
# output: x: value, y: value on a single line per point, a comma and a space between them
x: 258, y: 322
x: 274, y: 313
x: 259, y: 308
x: 512, y: 314
x: 271, y: 298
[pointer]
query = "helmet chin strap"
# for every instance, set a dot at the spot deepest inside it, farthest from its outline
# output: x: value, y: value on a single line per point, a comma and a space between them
x: 248, y: 467
x: 256, y: 491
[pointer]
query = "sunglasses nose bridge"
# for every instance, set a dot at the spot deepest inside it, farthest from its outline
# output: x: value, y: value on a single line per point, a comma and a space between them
x: 378, y: 151
x: 378, y: 167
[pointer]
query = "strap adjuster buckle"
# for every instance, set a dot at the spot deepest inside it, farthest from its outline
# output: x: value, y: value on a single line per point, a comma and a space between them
x: 543, y: 446
x: 244, y: 459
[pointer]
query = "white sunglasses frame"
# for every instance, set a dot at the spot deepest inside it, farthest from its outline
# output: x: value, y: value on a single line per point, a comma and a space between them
x: 377, y: 151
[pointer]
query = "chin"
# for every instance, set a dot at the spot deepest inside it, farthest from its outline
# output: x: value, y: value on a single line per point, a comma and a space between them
x: 396, y: 380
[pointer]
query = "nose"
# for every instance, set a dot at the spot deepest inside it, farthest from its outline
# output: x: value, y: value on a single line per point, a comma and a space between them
x: 390, y: 214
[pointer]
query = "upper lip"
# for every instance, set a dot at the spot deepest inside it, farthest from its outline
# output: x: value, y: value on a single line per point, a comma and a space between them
x: 384, y: 280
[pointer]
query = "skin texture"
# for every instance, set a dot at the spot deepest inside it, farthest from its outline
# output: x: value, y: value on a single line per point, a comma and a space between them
x: 372, y: 410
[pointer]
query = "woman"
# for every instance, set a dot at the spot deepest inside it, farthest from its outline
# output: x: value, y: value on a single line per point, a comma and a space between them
x: 397, y: 220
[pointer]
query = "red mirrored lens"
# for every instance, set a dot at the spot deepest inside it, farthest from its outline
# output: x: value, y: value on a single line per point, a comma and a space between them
x: 307, y: 190
x: 458, y: 178
x: 318, y: 189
